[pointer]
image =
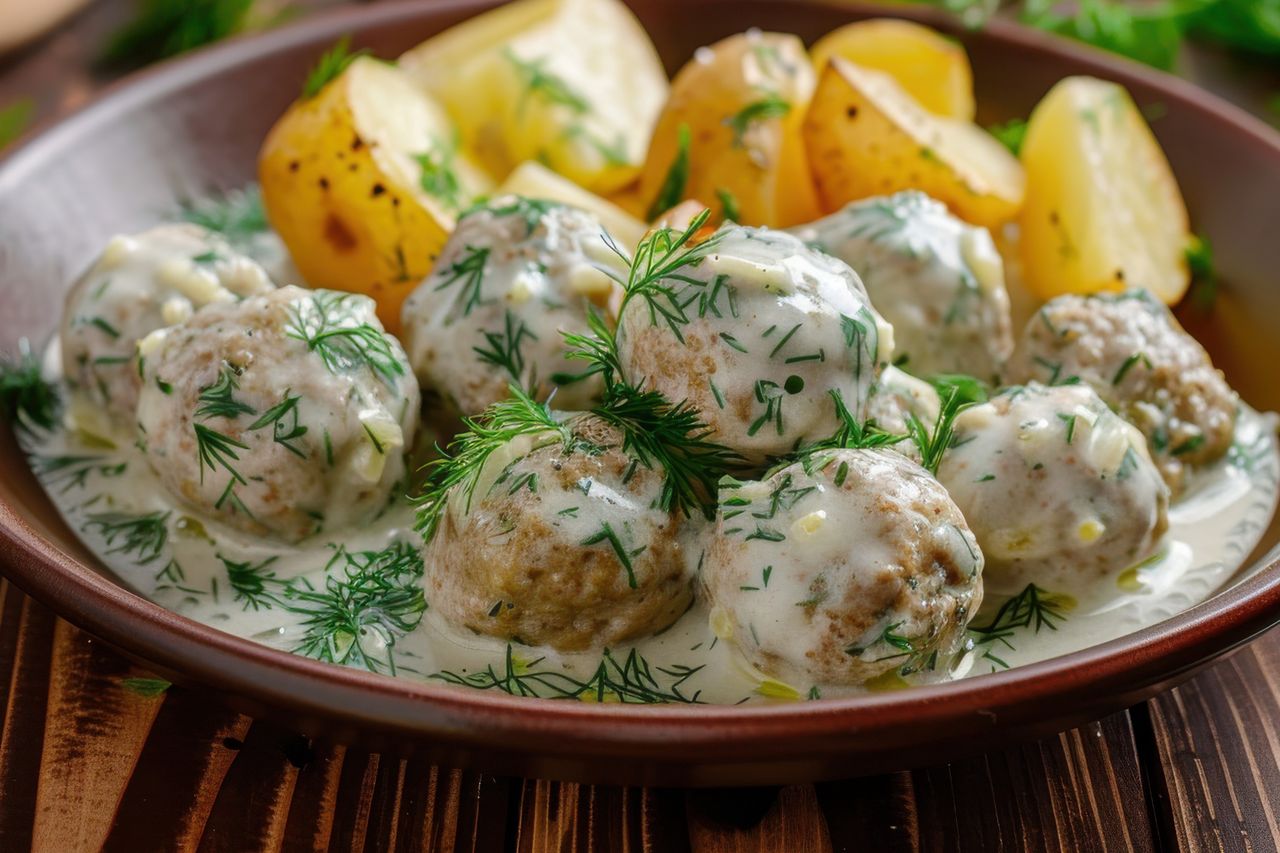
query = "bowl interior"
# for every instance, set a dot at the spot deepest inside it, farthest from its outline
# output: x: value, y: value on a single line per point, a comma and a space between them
x: 182, y: 131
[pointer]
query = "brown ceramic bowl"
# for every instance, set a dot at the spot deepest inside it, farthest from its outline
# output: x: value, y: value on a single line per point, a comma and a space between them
x: 194, y: 126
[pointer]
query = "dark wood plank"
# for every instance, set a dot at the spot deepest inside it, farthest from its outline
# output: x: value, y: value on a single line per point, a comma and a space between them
x: 1219, y: 753
x: 785, y: 820
x: 23, y: 721
x: 252, y: 806
x: 1080, y: 791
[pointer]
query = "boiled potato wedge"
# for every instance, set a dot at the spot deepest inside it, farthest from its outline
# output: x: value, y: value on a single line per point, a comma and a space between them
x: 1103, y: 210
x: 362, y: 183
x: 932, y: 68
x: 731, y: 133
x: 574, y: 84
x: 866, y: 137
x: 533, y: 180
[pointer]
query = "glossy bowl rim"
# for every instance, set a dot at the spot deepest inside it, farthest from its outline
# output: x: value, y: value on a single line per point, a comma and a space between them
x: 325, y: 692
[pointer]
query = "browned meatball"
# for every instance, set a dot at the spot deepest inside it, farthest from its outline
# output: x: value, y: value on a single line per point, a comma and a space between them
x: 562, y: 544
x: 1129, y: 348
x: 843, y: 570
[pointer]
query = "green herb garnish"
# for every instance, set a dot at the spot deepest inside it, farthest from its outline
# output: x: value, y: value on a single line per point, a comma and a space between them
x: 673, y: 186
x: 326, y: 323
x: 330, y: 65
x: 26, y: 399
x: 768, y: 107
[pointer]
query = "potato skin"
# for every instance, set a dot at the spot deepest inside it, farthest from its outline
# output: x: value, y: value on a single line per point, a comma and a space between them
x: 932, y: 68
x: 753, y: 152
x: 344, y: 196
x: 1103, y: 211
x: 866, y: 136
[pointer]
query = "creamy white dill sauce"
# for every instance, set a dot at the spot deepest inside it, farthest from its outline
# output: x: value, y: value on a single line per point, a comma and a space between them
x: 1212, y: 528
x: 275, y: 594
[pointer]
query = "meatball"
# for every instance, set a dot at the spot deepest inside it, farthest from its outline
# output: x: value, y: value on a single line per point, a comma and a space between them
x: 561, y: 543
x: 938, y: 280
x: 899, y: 394
x: 1129, y: 348
x: 764, y: 330
x: 283, y: 415
x: 514, y: 275
x: 139, y: 284
x: 1058, y: 488
x: 842, y: 570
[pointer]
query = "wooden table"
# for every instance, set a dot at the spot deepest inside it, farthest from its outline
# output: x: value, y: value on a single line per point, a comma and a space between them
x: 88, y: 759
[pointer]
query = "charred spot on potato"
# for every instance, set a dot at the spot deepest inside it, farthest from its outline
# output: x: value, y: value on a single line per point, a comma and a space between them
x: 324, y: 183
x: 337, y: 234
x: 378, y: 189
x: 851, y: 111
x: 294, y: 165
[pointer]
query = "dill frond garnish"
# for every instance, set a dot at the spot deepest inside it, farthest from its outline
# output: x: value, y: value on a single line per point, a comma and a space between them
x: 461, y: 464
x: 543, y: 84
x: 255, y: 584
x: 767, y: 107
x: 26, y: 400
x: 331, y: 64
x: 1033, y: 608
x: 326, y: 323
x: 504, y: 351
x: 632, y: 680
x: 935, y: 443
x: 142, y: 536
x: 72, y: 471
x: 671, y: 192
x: 439, y: 175
x: 283, y: 420
x: 469, y: 270
x: 218, y: 400
x: 238, y: 215
x: 361, y: 612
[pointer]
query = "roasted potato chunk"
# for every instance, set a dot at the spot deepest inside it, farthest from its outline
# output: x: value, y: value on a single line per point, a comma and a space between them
x: 866, y: 136
x: 574, y: 84
x: 533, y: 180
x: 362, y: 183
x: 730, y: 134
x: 1103, y: 210
x: 930, y: 67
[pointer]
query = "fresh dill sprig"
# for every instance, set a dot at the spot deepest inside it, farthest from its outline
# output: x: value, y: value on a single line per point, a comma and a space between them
x: 852, y: 434
x: 255, y: 584
x: 673, y: 186
x: 1033, y: 608
x: 460, y: 465
x: 218, y: 399
x: 933, y: 444
x: 1204, y: 275
x: 326, y: 323
x: 632, y: 680
x: 375, y: 599
x: 164, y: 28
x: 1011, y: 134
x: 439, y: 176
x: 330, y: 65
x: 543, y: 84
x: 72, y: 471
x: 217, y: 450
x: 26, y: 400
x: 142, y: 536
x: 968, y: 388
x: 238, y: 215
x: 469, y: 270
x: 770, y: 106
x: 283, y: 420
x: 504, y: 351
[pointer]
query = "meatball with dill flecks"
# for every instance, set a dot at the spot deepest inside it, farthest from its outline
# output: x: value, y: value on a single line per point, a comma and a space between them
x: 1059, y: 489
x: 937, y: 279
x: 282, y: 415
x: 141, y: 283
x: 841, y: 568
x: 514, y: 276
x: 755, y: 330
x: 1131, y: 350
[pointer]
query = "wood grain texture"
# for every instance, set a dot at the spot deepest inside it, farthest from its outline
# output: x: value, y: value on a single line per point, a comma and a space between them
x: 86, y: 763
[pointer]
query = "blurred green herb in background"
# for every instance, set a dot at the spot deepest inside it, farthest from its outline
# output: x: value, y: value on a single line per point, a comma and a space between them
x: 14, y: 119
x: 164, y: 28
x: 1150, y: 32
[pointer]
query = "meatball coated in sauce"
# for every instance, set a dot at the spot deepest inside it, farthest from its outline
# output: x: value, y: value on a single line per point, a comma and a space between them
x: 138, y: 284
x: 514, y: 275
x: 938, y: 280
x: 283, y: 415
x: 897, y: 395
x: 772, y: 328
x: 860, y: 566
x: 1129, y: 348
x: 1059, y: 489
x: 562, y: 544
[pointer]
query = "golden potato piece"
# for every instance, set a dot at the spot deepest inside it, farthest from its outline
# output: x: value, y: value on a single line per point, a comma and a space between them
x: 731, y: 131
x: 932, y: 68
x: 362, y: 184
x: 1103, y: 210
x: 574, y: 84
x: 533, y: 180
x: 866, y: 137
